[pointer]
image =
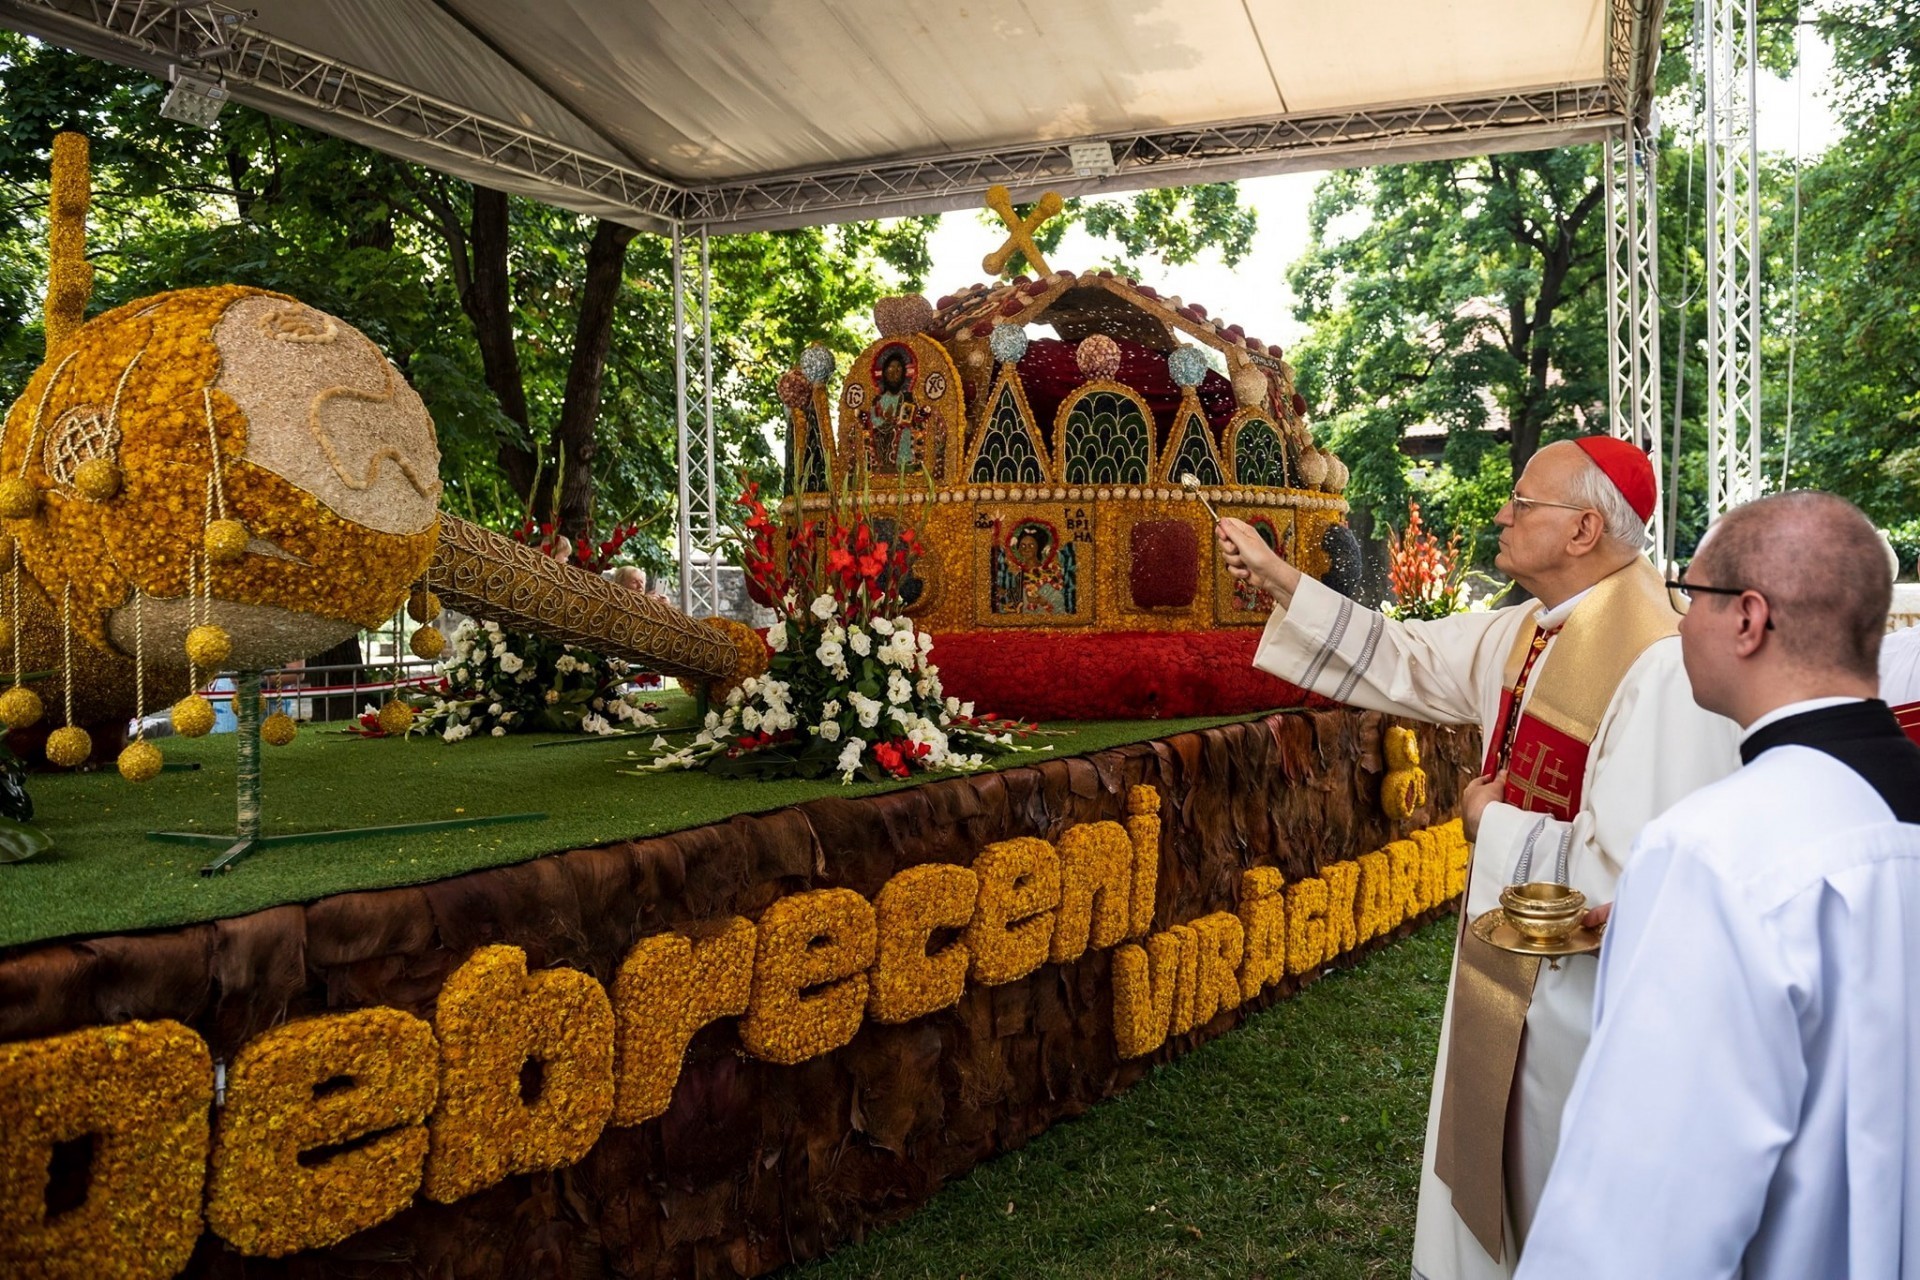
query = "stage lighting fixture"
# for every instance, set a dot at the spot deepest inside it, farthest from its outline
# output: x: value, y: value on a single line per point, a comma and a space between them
x: 1092, y: 159
x: 193, y: 100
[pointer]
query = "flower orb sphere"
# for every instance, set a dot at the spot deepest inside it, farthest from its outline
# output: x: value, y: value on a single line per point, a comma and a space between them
x: 794, y: 389
x: 18, y: 498
x: 902, y: 316
x: 140, y: 762
x: 208, y: 645
x: 1187, y: 365
x: 1098, y: 356
x: 20, y: 707
x: 226, y: 542
x: 97, y: 480
x: 423, y: 606
x: 1008, y: 342
x: 193, y: 717
x: 816, y: 362
x: 69, y: 747
x: 396, y: 717
x: 278, y: 729
x: 293, y: 425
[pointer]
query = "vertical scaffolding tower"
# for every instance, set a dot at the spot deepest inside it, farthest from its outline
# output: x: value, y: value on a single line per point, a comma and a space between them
x: 1733, y: 257
x: 1632, y: 176
x: 699, y: 511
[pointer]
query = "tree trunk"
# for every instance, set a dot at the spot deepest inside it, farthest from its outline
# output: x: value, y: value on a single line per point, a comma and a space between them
x: 488, y: 303
x: 592, y: 337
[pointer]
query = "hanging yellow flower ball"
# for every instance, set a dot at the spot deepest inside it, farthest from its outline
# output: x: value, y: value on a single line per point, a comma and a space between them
x: 192, y: 716
x: 277, y: 730
x: 69, y: 747
x: 97, y: 479
x: 429, y: 644
x: 18, y: 498
x: 208, y: 645
x: 226, y: 541
x: 423, y: 606
x: 20, y: 707
x: 140, y: 762
x: 396, y: 717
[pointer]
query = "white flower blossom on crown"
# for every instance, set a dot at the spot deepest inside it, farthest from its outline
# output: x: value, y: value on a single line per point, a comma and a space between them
x: 499, y: 731
x: 867, y: 709
x: 750, y: 720
x: 898, y: 690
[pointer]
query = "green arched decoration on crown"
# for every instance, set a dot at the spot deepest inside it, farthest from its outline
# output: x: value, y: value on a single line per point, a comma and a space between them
x: 1106, y: 436
x: 1006, y: 451
x: 1256, y: 453
x: 1193, y: 449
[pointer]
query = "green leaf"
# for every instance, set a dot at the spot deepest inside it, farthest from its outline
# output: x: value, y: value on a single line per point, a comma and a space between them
x: 20, y: 841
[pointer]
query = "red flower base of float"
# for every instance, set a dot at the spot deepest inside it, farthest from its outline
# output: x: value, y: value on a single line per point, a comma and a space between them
x: 1127, y: 675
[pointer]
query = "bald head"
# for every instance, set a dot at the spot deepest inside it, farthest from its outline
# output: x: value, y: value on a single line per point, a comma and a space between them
x: 1823, y: 570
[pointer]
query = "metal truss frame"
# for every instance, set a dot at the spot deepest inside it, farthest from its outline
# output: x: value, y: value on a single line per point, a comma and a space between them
x: 1633, y: 303
x: 1735, y: 474
x: 699, y: 527
x: 215, y: 40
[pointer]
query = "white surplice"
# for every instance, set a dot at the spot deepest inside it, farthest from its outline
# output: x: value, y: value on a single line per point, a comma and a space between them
x: 1900, y: 667
x: 1750, y: 1105
x: 1654, y: 746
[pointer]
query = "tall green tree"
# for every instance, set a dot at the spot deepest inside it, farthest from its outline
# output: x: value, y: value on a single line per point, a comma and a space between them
x: 1462, y: 293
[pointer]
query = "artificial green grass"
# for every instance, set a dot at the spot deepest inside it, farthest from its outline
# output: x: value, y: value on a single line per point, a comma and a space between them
x: 104, y: 876
x: 1290, y: 1147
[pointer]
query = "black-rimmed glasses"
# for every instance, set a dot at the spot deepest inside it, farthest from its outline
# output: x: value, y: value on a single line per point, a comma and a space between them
x: 1685, y: 591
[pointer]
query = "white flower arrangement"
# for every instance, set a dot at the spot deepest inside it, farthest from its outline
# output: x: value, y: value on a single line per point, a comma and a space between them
x: 503, y: 682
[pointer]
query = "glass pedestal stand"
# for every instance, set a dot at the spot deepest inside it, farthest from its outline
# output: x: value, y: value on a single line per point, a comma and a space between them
x: 248, y: 708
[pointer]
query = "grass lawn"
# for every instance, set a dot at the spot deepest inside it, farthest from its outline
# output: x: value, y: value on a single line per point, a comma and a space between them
x: 1290, y: 1147
x: 104, y: 876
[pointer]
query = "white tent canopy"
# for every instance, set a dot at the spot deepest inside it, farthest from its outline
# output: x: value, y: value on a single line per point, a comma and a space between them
x: 736, y: 114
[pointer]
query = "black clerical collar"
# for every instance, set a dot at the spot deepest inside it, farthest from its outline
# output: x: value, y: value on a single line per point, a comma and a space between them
x: 1862, y: 735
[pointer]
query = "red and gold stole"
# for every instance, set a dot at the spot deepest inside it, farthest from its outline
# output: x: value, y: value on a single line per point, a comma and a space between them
x: 1908, y: 714
x: 1544, y: 747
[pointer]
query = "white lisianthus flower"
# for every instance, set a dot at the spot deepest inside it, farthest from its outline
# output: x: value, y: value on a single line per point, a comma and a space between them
x: 831, y: 709
x: 495, y: 709
x: 867, y: 709
x: 713, y: 720
x: 499, y: 732
x: 553, y: 697
x: 830, y: 730
x: 750, y: 720
x: 850, y: 758
x: 966, y: 710
x: 837, y: 633
x: 829, y: 654
x: 822, y: 606
x: 500, y: 648
x: 859, y: 641
x: 524, y: 675
x: 733, y: 696
x: 953, y: 706
x: 777, y: 637
x: 898, y: 690
x: 510, y: 663
x: 925, y: 641
x: 883, y: 625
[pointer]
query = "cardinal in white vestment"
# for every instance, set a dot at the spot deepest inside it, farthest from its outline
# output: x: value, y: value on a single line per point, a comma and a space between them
x: 1750, y: 1103
x: 1590, y: 731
